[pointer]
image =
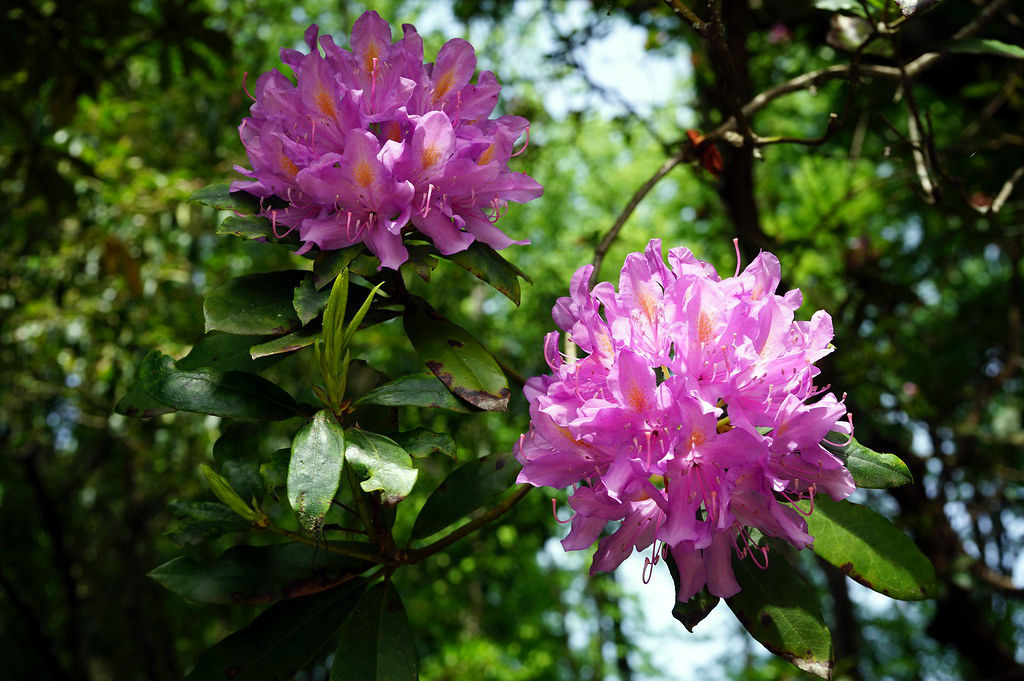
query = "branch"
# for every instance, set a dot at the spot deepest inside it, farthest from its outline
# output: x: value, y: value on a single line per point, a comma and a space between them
x: 688, y: 16
x: 416, y: 555
x: 1004, y: 193
x: 609, y: 238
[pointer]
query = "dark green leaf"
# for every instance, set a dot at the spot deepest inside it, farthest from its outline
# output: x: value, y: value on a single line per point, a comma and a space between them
x: 416, y: 390
x: 455, y: 357
x: 870, y: 469
x: 423, y: 442
x: 869, y: 549
x: 985, y: 46
x: 282, y: 640
x: 780, y: 610
x: 381, y: 464
x: 254, y: 227
x: 237, y: 453
x: 224, y: 352
x: 192, y: 533
x: 216, y: 350
x: 474, y: 485
x: 221, y: 197
x: 258, y: 574
x: 376, y: 643
x: 254, y: 304
x: 231, y: 394
x: 307, y: 301
x: 136, y: 402
x: 200, y: 510
x: 487, y: 265
x: 329, y: 264
x: 420, y: 261
x: 692, y: 612
x: 275, y: 471
x: 314, y: 472
x: 291, y: 342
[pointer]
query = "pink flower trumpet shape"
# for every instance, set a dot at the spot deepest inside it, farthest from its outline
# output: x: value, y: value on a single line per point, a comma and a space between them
x: 692, y: 418
x: 370, y: 143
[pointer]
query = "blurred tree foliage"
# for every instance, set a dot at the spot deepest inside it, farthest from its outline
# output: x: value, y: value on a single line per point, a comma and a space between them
x: 895, y: 221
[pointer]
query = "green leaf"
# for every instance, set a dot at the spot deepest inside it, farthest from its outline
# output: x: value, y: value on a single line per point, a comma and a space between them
x: 236, y: 451
x: 423, y: 442
x: 307, y: 301
x: 136, y: 402
x: 258, y: 574
x: 415, y: 390
x: 455, y: 357
x: 231, y: 394
x: 376, y: 642
x: 420, y: 261
x: 208, y: 520
x: 216, y: 350
x: 225, y: 352
x: 487, y: 265
x: 254, y: 304
x: 472, y: 486
x: 314, y: 472
x: 304, y: 337
x: 329, y: 264
x: 275, y: 471
x: 692, y: 612
x: 848, y: 6
x: 282, y: 640
x: 985, y: 46
x: 226, y: 493
x: 869, y: 549
x: 780, y: 610
x: 870, y: 469
x: 221, y: 197
x: 251, y: 227
x: 381, y: 464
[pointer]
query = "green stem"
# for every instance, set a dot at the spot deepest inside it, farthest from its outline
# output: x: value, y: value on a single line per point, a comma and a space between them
x: 416, y: 555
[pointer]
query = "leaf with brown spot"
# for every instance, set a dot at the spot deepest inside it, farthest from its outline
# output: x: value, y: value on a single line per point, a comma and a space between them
x: 781, y: 612
x: 465, y: 367
x: 869, y: 549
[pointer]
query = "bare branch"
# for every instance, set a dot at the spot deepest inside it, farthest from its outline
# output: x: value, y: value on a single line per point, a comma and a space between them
x: 609, y: 238
x: 687, y: 15
x: 1005, y: 191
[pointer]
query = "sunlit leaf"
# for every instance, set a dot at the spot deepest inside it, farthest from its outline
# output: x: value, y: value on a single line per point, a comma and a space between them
x: 314, y: 472
x: 781, y: 611
x: 869, y: 549
x: 381, y: 464
x: 870, y: 469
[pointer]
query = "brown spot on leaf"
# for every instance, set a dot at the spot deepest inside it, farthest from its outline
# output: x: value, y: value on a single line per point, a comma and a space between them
x: 454, y: 343
x: 765, y: 618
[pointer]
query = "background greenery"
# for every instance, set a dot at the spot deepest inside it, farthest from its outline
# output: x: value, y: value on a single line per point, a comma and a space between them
x: 112, y: 112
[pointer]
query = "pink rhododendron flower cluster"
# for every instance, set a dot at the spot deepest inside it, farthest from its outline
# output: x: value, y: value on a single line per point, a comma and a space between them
x: 371, y: 142
x: 692, y: 418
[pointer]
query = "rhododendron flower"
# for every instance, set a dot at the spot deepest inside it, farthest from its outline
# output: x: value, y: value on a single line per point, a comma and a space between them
x: 370, y: 143
x: 692, y: 418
